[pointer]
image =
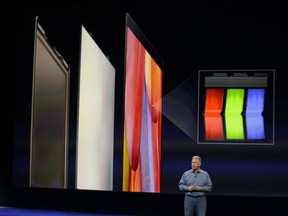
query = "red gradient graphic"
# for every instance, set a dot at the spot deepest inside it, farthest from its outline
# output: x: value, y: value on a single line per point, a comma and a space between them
x: 212, y: 113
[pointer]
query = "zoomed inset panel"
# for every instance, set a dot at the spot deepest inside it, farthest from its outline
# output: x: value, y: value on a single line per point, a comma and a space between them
x: 236, y: 107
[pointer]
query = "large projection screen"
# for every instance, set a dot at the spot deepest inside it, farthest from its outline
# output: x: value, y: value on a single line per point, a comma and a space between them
x: 95, y: 134
x: 142, y: 115
x: 193, y: 116
x: 49, y: 118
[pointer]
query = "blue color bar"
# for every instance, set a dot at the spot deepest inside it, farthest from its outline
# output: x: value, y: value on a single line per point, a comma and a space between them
x: 255, y: 101
x: 254, y: 109
x: 255, y: 127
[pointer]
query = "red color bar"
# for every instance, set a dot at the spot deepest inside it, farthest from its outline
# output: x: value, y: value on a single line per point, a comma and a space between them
x: 212, y: 113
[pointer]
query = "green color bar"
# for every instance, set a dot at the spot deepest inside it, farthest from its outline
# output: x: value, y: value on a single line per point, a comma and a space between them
x: 234, y: 127
x: 234, y: 101
x: 233, y: 118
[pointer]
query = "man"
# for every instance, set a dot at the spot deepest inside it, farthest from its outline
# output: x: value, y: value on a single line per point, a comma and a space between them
x: 195, y: 183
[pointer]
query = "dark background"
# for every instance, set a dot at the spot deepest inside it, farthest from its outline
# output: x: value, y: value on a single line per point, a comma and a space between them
x: 188, y: 38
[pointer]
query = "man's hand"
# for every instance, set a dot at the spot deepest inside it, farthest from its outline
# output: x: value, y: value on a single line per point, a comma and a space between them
x: 194, y: 188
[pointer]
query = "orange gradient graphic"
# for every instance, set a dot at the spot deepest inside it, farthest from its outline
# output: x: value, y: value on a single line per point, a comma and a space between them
x: 143, y: 119
x: 212, y: 115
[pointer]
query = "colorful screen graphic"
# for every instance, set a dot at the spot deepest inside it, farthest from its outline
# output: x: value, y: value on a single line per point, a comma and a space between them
x: 236, y: 107
x: 142, y: 114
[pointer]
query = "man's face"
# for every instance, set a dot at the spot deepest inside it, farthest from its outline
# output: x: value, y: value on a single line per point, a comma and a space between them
x: 195, y: 164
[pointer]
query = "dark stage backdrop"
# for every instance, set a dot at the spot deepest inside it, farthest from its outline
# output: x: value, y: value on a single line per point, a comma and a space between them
x: 215, y: 39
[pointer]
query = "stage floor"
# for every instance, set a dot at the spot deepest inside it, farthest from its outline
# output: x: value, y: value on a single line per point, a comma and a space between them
x: 7, y: 211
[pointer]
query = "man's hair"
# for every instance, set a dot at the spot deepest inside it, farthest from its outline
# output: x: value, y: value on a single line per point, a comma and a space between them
x: 197, y: 157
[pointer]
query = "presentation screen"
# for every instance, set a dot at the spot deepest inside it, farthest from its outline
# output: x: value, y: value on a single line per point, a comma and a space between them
x: 102, y: 114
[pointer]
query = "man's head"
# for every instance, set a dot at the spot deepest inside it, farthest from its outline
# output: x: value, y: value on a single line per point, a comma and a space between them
x: 196, y: 162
